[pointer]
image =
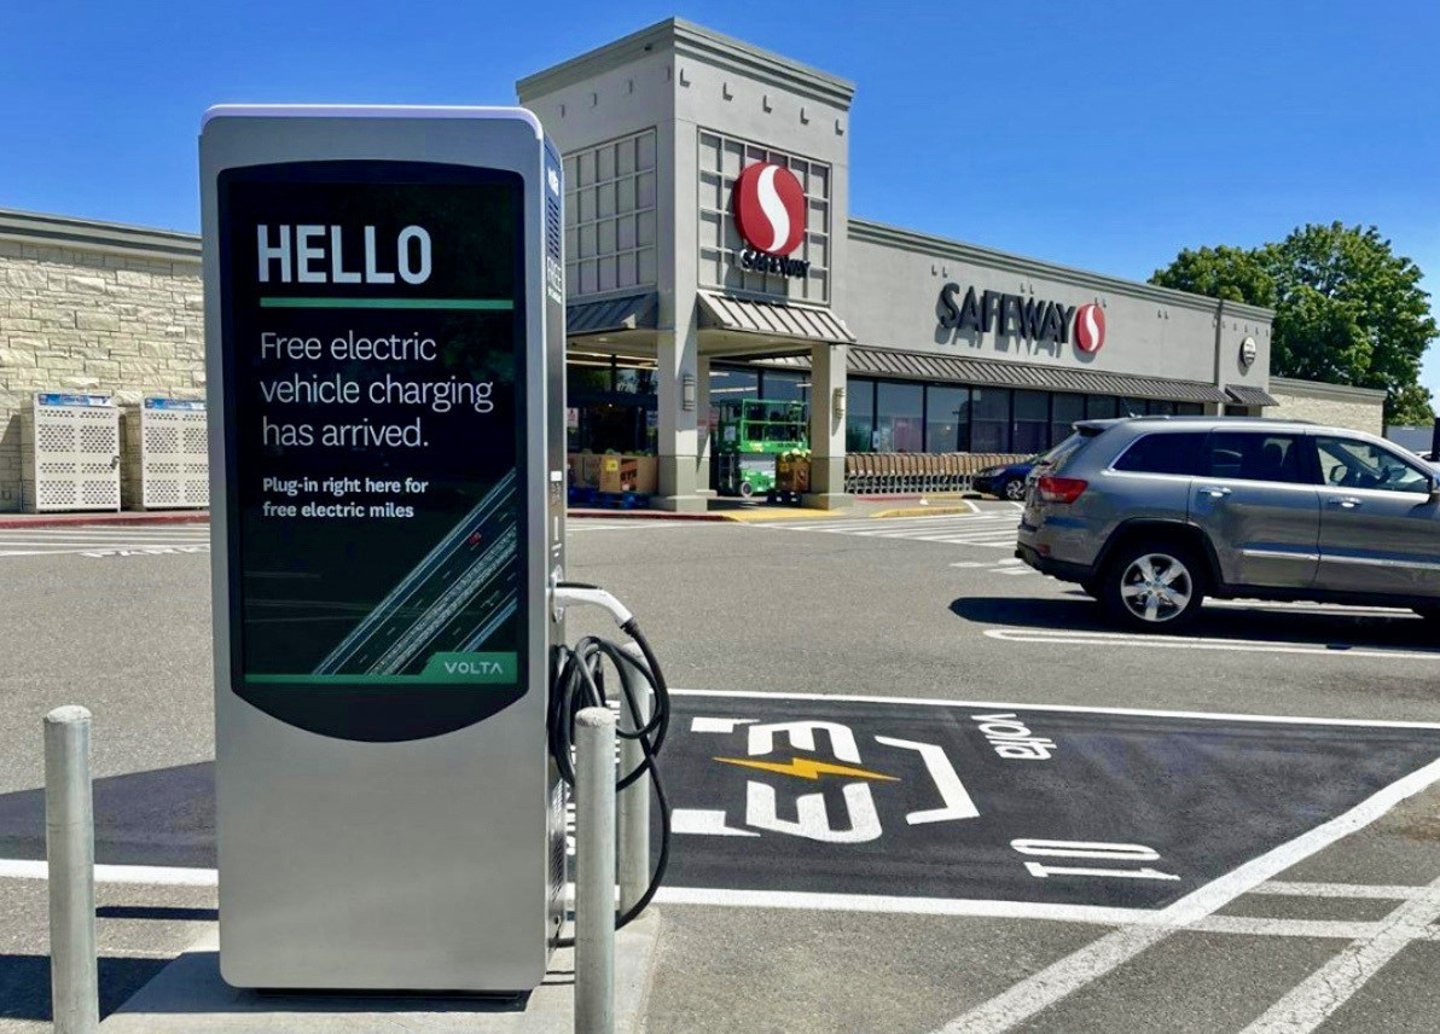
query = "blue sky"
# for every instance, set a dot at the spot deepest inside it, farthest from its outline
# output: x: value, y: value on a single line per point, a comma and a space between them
x: 1101, y: 135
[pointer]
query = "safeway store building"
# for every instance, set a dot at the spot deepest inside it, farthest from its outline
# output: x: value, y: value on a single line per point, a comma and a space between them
x: 711, y: 253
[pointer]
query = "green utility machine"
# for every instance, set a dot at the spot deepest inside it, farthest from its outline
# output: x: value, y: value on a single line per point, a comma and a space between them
x: 752, y: 436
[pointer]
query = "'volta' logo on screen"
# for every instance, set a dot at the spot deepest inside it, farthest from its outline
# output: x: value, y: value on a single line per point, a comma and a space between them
x: 770, y: 208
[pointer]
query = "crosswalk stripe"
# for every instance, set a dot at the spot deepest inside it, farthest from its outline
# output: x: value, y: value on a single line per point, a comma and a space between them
x: 103, y: 540
x: 103, y: 533
x: 107, y: 544
x: 995, y: 531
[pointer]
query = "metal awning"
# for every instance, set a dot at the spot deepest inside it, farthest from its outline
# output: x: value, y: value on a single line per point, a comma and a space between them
x: 880, y: 362
x: 794, y: 322
x: 1249, y: 396
x: 613, y: 315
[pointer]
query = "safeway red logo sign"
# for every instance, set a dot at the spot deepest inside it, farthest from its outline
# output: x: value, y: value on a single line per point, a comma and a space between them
x: 770, y: 208
x: 1089, y: 328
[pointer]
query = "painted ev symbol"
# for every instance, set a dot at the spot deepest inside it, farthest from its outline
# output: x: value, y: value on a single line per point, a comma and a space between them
x: 813, y: 820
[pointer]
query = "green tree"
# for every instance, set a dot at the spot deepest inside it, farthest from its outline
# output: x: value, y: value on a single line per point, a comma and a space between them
x: 1232, y: 274
x: 1348, y: 310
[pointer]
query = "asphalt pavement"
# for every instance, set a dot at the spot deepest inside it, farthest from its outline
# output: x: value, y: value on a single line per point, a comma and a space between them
x: 1264, y: 761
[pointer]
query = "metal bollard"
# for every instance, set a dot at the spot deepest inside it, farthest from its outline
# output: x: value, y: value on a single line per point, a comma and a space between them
x: 633, y: 807
x: 595, y: 871
x: 70, y: 849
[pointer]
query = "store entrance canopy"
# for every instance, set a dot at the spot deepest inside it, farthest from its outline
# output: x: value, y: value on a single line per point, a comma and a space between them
x: 737, y: 326
x: 1247, y: 396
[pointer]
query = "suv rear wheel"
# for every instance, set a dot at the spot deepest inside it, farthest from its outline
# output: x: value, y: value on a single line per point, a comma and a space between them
x: 1154, y: 587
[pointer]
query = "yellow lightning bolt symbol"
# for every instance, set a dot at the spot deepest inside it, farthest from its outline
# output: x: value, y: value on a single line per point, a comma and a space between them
x: 808, y: 768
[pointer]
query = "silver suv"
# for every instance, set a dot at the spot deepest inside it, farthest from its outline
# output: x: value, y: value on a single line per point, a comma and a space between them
x: 1152, y: 514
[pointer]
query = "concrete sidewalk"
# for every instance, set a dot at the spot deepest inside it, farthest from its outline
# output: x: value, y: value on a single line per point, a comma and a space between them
x: 189, y: 997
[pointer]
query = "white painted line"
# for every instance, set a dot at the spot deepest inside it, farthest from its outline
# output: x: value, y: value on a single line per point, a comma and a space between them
x: 153, y: 875
x: 1377, y: 891
x: 1216, y: 716
x: 1311, y: 1002
x: 898, y: 905
x: 1333, y: 609
x: 91, y: 533
x: 117, y: 544
x: 174, y: 876
x: 1251, y: 927
x: 1041, y: 990
x: 1170, y: 642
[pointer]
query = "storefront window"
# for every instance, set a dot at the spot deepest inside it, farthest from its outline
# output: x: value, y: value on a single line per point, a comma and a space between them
x: 1189, y: 409
x: 586, y: 378
x: 859, y: 415
x: 733, y: 382
x: 631, y: 380
x: 1160, y: 407
x: 947, y: 418
x: 605, y: 427
x: 990, y: 420
x: 1032, y: 422
x: 1132, y: 407
x: 899, y: 418
x: 785, y: 385
x: 1065, y: 410
x: 1101, y: 407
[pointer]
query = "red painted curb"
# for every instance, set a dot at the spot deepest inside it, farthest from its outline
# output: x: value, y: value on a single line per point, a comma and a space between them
x: 93, y: 519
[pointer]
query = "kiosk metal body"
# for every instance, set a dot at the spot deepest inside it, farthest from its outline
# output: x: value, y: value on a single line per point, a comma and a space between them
x: 384, y: 331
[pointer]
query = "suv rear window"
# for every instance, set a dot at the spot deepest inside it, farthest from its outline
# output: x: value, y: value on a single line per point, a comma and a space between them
x: 1174, y: 453
x: 1054, y: 461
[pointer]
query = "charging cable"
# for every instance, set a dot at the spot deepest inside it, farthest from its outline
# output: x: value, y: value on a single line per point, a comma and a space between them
x: 580, y: 683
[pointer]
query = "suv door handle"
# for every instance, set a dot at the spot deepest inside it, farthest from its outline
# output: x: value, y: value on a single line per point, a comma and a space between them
x: 1214, y: 491
x: 1348, y: 502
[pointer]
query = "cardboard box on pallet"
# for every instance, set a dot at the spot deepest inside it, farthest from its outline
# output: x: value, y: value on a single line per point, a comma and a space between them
x: 584, y: 468
x: 792, y: 475
x: 629, y: 474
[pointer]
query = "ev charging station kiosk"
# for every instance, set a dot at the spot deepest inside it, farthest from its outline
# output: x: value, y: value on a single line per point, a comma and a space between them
x: 385, y: 337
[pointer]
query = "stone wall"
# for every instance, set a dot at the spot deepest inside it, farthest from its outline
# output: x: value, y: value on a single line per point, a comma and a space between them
x: 96, y: 307
x: 1335, y: 405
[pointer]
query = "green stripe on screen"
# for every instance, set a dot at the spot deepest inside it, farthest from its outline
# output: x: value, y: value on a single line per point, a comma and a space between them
x: 481, y: 304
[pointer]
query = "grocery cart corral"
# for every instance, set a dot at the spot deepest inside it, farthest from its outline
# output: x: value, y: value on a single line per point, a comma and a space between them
x: 917, y: 473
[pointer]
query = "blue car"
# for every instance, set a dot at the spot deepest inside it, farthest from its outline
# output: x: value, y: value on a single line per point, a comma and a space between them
x: 1007, y: 482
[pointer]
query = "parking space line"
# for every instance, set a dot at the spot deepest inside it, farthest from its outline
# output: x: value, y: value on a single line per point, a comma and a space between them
x: 1173, y: 642
x: 877, y: 903
x: 153, y: 875
x: 1069, y: 974
x: 1248, y: 926
x: 1313, y: 1000
x: 1138, y: 712
x: 1342, y: 890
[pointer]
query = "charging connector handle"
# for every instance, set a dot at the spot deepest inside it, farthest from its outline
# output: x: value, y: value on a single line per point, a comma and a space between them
x: 567, y: 594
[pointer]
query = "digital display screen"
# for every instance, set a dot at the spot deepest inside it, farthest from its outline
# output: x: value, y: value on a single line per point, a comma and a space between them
x: 374, y: 339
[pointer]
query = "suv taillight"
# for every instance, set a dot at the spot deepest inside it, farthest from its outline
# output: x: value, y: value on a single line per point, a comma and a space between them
x: 1060, y: 490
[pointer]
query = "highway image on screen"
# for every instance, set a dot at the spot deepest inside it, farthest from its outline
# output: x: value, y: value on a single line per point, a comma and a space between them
x: 454, y: 599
